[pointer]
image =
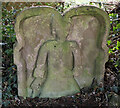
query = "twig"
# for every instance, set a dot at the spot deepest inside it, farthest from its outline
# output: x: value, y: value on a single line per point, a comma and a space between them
x: 116, y: 19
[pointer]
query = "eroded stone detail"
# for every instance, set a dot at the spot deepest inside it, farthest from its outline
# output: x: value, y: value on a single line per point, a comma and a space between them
x: 55, y: 69
x: 56, y: 54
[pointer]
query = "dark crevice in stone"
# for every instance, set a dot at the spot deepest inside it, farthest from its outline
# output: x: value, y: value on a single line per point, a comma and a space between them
x: 73, y: 63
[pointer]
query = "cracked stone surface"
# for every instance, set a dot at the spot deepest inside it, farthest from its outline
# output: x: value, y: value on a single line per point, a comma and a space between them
x: 56, y: 54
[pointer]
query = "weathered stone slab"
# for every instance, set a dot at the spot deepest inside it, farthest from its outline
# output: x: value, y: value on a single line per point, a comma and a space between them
x: 56, y: 54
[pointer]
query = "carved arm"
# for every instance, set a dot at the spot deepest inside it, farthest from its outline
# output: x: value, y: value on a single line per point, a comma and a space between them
x: 77, y: 59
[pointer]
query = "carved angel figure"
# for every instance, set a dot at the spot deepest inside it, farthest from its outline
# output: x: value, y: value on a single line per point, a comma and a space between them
x: 56, y: 54
x: 57, y: 63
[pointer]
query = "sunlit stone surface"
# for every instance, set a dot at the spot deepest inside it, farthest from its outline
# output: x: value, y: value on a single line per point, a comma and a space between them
x: 56, y: 54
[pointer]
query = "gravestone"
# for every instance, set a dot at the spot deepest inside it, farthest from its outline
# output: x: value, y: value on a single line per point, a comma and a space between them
x: 56, y: 54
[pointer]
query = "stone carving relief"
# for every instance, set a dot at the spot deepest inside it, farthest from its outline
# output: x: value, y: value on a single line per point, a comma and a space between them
x: 56, y: 54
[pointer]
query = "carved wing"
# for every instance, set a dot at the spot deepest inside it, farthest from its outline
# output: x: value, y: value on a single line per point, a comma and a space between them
x: 34, y: 26
x: 89, y: 27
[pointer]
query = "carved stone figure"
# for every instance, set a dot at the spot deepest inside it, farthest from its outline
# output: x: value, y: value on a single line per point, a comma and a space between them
x: 56, y: 54
x: 57, y: 62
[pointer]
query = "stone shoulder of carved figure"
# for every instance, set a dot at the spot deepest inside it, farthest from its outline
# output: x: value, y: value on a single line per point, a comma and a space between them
x: 57, y: 61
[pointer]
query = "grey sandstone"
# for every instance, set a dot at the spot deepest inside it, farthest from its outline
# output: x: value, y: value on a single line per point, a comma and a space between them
x: 57, y: 55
